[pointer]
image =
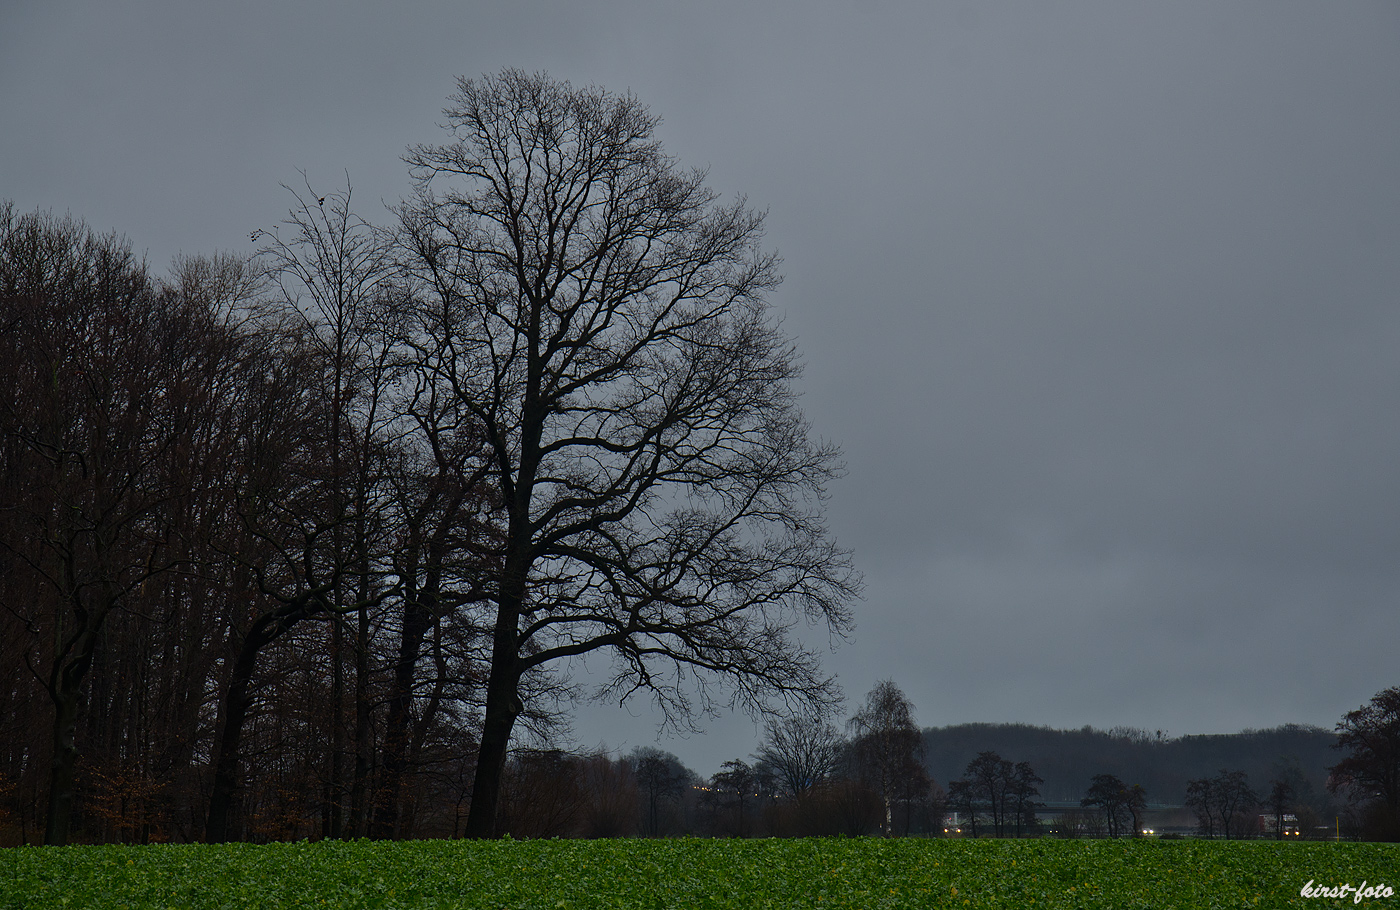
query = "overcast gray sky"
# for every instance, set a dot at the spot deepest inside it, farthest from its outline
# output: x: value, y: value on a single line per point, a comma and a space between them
x: 1101, y: 299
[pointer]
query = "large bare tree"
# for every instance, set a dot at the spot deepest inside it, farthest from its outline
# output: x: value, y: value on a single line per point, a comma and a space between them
x: 602, y: 318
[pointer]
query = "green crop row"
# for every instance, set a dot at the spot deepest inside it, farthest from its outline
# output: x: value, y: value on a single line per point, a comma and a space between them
x: 698, y: 874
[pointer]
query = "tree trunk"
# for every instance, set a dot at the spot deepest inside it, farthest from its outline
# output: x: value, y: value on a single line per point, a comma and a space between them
x: 417, y: 618
x: 332, y: 826
x: 358, y: 811
x: 65, y: 755
x: 502, y: 708
x: 66, y: 691
x: 237, y: 700
x: 503, y: 705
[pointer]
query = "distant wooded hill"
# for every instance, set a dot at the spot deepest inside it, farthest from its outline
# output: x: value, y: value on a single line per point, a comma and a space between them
x: 1068, y: 759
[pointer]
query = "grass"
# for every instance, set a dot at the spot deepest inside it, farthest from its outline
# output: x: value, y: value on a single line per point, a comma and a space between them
x: 699, y: 874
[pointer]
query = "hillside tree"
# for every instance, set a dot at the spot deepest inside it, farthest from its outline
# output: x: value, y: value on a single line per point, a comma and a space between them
x: 1370, y: 773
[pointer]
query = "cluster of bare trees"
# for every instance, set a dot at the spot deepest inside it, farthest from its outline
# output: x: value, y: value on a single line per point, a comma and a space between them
x: 1224, y: 804
x: 295, y: 546
x: 998, y: 794
x: 1121, y: 806
x: 808, y: 779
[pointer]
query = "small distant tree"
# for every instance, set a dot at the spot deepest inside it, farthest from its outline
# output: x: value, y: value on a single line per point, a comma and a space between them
x: 1223, y: 804
x: 1307, y: 804
x: 736, y: 786
x: 1001, y: 792
x: 1279, y: 803
x: 799, y: 753
x: 1137, y: 804
x: 1021, y: 793
x: 661, y: 779
x: 918, y: 801
x: 1115, y: 800
x: 962, y: 799
x: 990, y: 776
x: 1200, y: 798
x: 1235, y: 802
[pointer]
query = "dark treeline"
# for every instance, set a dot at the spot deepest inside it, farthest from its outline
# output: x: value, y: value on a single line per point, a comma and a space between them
x: 1067, y: 760
x: 805, y: 779
x: 1292, y: 781
x: 236, y: 545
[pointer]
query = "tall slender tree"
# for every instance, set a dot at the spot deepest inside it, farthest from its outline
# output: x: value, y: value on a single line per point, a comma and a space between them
x: 1021, y: 796
x: 332, y: 268
x: 886, y: 744
x: 1279, y: 801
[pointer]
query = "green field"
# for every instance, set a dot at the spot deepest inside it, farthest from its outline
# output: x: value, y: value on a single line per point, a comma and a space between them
x: 696, y: 874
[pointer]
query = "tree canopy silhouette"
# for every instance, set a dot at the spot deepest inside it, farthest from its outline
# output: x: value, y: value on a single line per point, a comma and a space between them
x: 602, y: 319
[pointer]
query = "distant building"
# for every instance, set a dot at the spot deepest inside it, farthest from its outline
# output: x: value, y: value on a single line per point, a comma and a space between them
x: 1268, y: 826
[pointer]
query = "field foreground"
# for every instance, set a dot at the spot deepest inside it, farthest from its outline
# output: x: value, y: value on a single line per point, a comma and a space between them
x: 557, y: 875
